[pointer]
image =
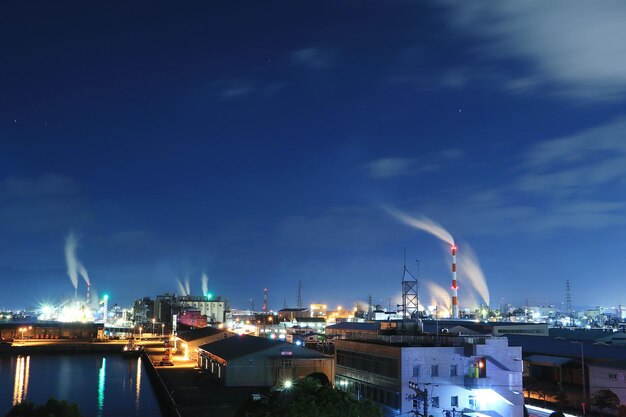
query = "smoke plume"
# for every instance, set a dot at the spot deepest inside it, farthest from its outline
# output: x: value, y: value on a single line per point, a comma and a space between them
x: 205, y: 283
x: 422, y: 223
x: 471, y: 270
x: 181, y: 287
x: 438, y: 296
x: 70, y: 259
x: 83, y: 272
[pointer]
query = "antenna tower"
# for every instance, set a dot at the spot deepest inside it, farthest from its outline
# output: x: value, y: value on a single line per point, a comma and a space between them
x: 410, y: 295
x: 299, y: 297
x: 568, y: 300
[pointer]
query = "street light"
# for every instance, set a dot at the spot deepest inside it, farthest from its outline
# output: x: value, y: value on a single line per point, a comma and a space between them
x: 153, y: 320
x: 140, y: 331
x: 162, y: 329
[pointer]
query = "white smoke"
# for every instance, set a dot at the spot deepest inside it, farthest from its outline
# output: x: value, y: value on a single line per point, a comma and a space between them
x: 187, y: 286
x: 205, y: 283
x: 422, y: 223
x: 438, y: 296
x: 181, y: 287
x: 83, y: 272
x: 70, y: 259
x: 471, y: 270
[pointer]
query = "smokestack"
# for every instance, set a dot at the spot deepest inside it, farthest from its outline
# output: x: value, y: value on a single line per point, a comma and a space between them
x: 455, y: 288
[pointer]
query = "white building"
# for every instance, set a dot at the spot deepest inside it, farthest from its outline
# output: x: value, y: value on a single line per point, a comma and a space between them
x: 608, y: 375
x: 212, y: 309
x: 470, y: 374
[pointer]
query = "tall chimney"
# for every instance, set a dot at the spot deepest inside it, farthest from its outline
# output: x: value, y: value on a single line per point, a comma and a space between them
x: 455, y: 288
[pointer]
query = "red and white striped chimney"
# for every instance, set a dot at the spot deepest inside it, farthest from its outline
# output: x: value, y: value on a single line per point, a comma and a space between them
x: 455, y: 288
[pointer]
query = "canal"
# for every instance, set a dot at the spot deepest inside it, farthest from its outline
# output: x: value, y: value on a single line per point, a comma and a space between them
x: 103, y: 385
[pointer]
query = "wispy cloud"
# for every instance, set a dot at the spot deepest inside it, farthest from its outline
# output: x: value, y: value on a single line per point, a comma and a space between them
x: 314, y: 58
x: 392, y: 167
x: 577, y: 163
x: 47, y: 185
x: 238, y: 88
x: 574, y: 45
x: 46, y: 202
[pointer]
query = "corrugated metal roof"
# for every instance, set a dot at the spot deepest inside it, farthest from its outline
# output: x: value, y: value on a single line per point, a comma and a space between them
x: 238, y: 346
x: 548, y: 360
x: 348, y: 325
x: 196, y: 334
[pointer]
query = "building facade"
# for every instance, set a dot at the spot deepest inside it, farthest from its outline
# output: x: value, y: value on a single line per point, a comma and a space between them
x: 255, y: 361
x: 469, y: 374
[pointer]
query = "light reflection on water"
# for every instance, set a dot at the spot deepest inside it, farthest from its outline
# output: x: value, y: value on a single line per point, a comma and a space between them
x: 20, y: 385
x: 81, y: 379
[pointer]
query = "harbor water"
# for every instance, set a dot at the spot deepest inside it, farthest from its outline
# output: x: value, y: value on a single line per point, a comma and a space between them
x: 103, y: 385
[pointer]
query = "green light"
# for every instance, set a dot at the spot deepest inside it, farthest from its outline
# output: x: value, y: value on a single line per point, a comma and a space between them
x: 209, y: 296
x: 106, y: 296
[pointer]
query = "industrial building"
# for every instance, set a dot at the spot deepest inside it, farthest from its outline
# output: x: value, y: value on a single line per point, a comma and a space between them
x: 257, y: 361
x: 189, y: 341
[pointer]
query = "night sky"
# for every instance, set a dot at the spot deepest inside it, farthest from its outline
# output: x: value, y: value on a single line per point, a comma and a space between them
x: 264, y: 142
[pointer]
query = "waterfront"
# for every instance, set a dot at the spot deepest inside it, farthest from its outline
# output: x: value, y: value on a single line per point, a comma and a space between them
x: 101, y: 384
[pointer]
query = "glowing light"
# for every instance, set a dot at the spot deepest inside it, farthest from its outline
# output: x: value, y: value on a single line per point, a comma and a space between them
x: 487, y: 397
x: 138, y: 384
x: 209, y: 296
x: 101, y: 379
x: 20, y: 385
x: 288, y: 384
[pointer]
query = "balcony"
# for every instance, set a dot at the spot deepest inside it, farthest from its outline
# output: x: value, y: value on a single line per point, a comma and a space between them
x: 477, y: 383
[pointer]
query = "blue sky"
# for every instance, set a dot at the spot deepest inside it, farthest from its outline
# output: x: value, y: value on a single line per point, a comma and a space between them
x: 260, y: 144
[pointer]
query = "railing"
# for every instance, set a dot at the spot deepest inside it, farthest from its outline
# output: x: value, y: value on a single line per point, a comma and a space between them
x: 419, y: 340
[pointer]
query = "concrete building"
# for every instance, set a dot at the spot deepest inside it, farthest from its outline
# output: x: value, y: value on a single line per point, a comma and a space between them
x: 469, y: 374
x: 558, y: 361
x: 143, y: 310
x: 256, y: 361
x: 608, y: 375
x: 163, y: 307
x: 213, y: 309
x: 290, y: 314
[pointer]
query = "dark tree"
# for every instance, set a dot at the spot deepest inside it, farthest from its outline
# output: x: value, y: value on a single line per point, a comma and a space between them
x: 52, y: 408
x: 605, y: 399
x: 562, y: 400
x: 309, y: 399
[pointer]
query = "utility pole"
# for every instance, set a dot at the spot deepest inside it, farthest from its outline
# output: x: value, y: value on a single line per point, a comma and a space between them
x: 419, y: 395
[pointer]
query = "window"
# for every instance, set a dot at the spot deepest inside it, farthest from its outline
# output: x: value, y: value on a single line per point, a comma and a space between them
x: 454, y: 401
x: 472, y: 402
x: 287, y: 363
x: 434, y: 370
x: 434, y: 402
x: 416, y: 370
x: 453, y: 370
